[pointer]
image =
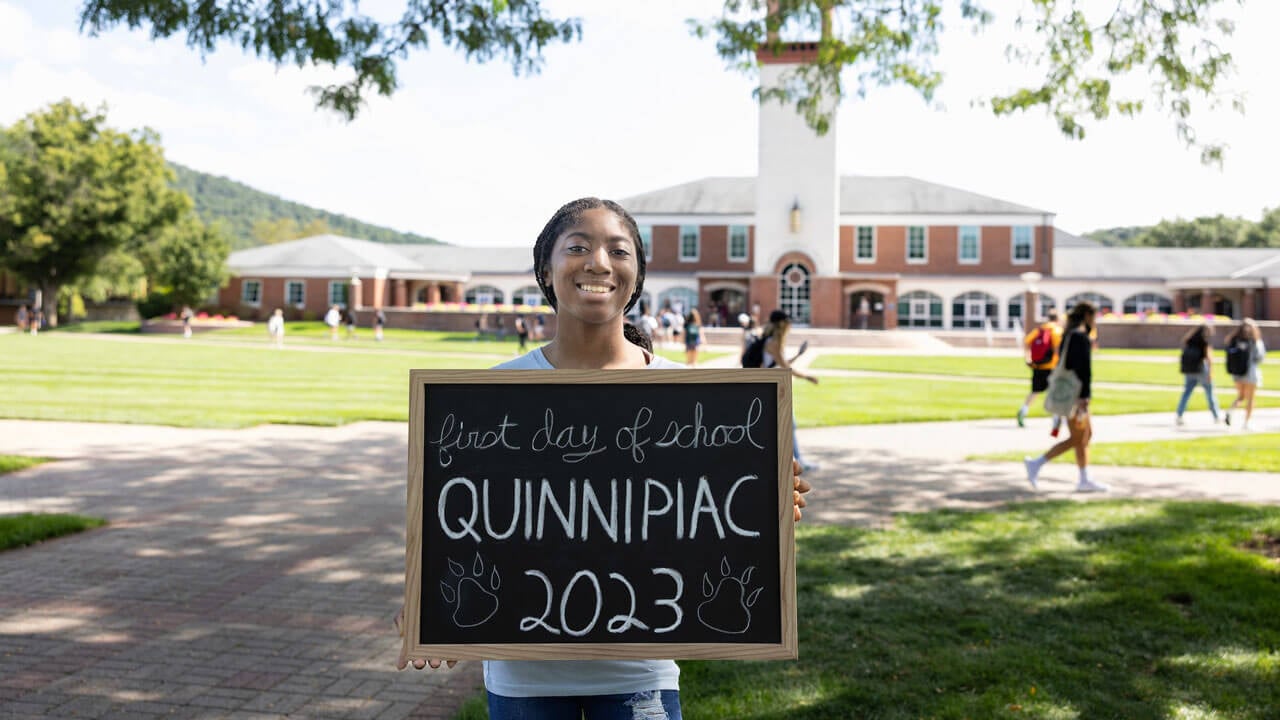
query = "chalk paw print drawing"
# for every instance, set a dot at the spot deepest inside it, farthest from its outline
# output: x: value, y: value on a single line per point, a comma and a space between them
x: 727, y: 608
x: 473, y: 603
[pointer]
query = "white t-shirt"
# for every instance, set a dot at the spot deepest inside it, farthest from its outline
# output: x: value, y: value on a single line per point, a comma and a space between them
x: 547, y: 678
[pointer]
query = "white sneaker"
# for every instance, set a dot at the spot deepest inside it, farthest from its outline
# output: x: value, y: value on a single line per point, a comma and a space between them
x: 1091, y: 486
x: 1033, y: 469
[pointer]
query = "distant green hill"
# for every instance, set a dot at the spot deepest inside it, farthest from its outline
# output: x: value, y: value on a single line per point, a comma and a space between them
x: 239, y: 206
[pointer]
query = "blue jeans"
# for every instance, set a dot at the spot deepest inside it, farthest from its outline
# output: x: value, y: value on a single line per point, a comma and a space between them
x: 651, y: 705
x: 1190, y: 382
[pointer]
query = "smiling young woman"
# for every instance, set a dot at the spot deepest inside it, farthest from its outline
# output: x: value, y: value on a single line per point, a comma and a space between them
x: 589, y: 263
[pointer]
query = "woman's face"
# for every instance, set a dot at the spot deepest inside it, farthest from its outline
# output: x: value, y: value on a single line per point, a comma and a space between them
x: 593, y: 268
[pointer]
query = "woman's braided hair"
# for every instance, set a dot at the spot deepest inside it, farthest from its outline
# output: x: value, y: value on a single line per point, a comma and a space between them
x: 568, y: 215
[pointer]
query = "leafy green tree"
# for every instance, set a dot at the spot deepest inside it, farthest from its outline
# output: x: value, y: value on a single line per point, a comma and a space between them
x: 1266, y: 232
x: 270, y: 232
x: 1218, y: 231
x: 73, y: 191
x: 1176, y: 47
x: 190, y: 260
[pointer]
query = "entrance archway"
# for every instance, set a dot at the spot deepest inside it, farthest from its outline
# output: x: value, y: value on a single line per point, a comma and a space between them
x: 866, y: 310
x: 728, y: 302
x: 794, y: 293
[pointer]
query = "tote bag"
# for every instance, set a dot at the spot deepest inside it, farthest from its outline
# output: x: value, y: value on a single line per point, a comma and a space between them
x: 1064, y: 387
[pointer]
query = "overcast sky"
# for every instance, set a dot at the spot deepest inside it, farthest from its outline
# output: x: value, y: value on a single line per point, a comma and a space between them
x: 472, y: 155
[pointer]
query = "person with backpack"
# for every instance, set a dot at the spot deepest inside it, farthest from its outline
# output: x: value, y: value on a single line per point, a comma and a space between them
x: 1077, y: 358
x: 1196, y: 369
x: 766, y: 351
x: 1245, y: 351
x: 1041, y: 356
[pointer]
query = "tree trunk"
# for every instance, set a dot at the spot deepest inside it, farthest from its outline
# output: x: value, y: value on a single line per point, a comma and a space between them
x: 49, y: 303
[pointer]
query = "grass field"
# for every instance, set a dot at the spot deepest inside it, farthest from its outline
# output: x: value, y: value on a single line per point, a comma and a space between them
x: 1104, y: 369
x: 1252, y: 452
x: 1120, y: 609
x: 27, y: 529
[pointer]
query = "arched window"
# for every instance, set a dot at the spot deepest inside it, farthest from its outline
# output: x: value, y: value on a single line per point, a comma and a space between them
x: 793, y: 293
x: 1102, y: 302
x: 484, y: 295
x: 1148, y: 303
x: 1015, y: 309
x: 974, y: 309
x: 529, y: 295
x: 681, y: 299
x: 920, y: 309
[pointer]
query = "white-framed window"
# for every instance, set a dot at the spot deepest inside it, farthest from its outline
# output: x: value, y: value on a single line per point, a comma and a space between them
x: 1100, y: 301
x: 251, y: 292
x: 973, y: 310
x: 737, y: 243
x: 646, y: 239
x: 970, y: 251
x: 1023, y: 245
x: 917, y: 245
x: 864, y: 244
x: 339, y: 293
x: 793, y: 293
x: 484, y: 295
x: 530, y: 295
x: 690, y: 242
x: 920, y: 309
x: 1045, y: 304
x: 1148, y: 303
x: 295, y: 293
x: 679, y: 299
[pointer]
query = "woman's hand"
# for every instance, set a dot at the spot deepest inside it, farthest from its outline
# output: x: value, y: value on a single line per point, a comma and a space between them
x: 404, y: 661
x: 799, y: 488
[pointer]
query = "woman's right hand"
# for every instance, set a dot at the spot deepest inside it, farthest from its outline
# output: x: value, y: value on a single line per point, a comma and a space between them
x: 404, y: 660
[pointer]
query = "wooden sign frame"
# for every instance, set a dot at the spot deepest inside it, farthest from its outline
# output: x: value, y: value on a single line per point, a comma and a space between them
x: 786, y: 648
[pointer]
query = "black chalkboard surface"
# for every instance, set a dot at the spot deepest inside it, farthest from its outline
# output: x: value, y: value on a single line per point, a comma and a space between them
x: 600, y: 514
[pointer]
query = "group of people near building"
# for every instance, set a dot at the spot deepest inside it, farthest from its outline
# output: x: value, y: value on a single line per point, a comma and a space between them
x: 1053, y: 349
x: 29, y: 320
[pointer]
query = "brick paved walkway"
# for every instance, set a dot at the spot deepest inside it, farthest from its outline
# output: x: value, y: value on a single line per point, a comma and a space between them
x: 245, y: 574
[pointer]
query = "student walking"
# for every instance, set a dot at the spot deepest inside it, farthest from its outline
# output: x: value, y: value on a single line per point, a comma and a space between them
x: 1076, y: 357
x: 275, y: 328
x: 186, y: 315
x: 771, y: 345
x: 1197, y: 369
x: 1245, y: 352
x: 692, y: 336
x: 522, y: 333
x: 333, y: 318
x: 1040, y: 350
x: 589, y: 262
x: 379, y: 322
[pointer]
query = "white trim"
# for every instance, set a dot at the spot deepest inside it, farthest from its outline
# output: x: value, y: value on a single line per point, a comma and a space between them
x: 906, y: 249
x: 697, y: 230
x: 905, y: 219
x: 1214, y: 283
x: 244, y: 282
x: 301, y: 303
x: 960, y: 245
x: 1013, y: 245
x: 696, y: 219
x: 864, y: 261
x: 746, y: 244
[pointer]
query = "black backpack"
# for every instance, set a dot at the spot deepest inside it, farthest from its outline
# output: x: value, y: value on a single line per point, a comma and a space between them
x: 1238, y: 357
x: 753, y: 355
x: 1192, y: 361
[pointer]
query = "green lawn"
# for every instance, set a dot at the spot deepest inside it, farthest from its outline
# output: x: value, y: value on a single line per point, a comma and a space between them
x: 27, y: 529
x: 14, y: 463
x: 1104, y: 368
x: 1253, y: 452
x: 210, y: 384
x: 1116, y: 609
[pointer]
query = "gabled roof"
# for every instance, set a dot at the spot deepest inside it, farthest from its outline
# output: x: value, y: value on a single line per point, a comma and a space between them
x: 464, y: 260
x: 859, y: 195
x: 1113, y: 263
x: 334, y: 253
x: 1064, y: 239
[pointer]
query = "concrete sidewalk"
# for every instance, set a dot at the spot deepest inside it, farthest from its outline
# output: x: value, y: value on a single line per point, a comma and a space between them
x: 253, y: 573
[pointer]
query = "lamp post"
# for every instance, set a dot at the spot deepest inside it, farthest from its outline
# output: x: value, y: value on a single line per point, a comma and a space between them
x: 1030, y: 299
x: 795, y: 216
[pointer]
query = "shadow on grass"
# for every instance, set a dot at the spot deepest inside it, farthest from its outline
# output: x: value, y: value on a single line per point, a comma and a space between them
x: 1124, y: 610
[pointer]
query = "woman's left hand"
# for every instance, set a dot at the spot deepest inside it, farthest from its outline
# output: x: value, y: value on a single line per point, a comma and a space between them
x: 800, y: 487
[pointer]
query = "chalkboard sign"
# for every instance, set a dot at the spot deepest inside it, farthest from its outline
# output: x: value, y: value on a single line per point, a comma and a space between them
x: 600, y: 515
